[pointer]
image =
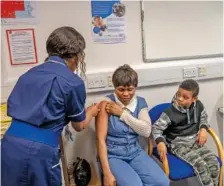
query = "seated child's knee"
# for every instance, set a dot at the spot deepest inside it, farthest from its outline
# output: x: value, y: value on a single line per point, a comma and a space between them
x: 214, y: 168
x: 201, y: 167
x: 213, y: 163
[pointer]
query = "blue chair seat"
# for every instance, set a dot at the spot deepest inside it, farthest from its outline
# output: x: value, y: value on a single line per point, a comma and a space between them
x: 179, y: 169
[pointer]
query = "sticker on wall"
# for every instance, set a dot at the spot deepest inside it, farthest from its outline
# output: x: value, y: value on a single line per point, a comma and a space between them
x: 22, y: 46
x: 108, y: 22
x: 18, y: 12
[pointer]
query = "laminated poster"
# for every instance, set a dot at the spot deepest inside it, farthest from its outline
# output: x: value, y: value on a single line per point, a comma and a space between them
x: 108, y: 22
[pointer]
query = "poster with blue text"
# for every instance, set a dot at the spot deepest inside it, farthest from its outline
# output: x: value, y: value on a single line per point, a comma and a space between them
x: 108, y: 22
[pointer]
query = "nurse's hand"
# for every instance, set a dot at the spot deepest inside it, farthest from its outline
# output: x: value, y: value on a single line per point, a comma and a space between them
x: 114, y: 108
x: 109, y: 180
x: 91, y: 112
x: 94, y: 109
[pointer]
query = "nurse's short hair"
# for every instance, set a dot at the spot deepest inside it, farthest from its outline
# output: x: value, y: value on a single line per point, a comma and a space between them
x: 66, y: 42
x: 125, y: 76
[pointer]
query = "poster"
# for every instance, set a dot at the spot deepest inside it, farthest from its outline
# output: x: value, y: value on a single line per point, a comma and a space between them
x: 22, y: 46
x: 18, y: 12
x: 108, y: 22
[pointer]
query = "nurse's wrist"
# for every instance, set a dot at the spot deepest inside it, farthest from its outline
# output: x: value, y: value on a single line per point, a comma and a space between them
x: 90, y: 111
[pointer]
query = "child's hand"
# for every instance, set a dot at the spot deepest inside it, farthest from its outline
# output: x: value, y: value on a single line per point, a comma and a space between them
x: 161, y: 147
x: 202, y: 137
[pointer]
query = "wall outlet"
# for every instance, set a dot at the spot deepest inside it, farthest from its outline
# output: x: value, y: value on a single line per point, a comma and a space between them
x: 189, y: 72
x: 109, y: 81
x: 202, y: 71
x: 96, y: 82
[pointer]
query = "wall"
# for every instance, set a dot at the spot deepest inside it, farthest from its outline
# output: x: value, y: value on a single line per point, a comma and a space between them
x: 54, y: 14
x: 175, y: 21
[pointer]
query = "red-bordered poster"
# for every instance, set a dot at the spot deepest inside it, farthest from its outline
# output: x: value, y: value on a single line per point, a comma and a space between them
x: 22, y: 46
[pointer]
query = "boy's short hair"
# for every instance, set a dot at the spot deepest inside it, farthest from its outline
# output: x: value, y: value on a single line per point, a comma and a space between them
x: 125, y: 76
x: 190, y: 85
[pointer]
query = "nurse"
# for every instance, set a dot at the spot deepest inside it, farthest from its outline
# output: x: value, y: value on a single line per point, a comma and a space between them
x: 43, y: 101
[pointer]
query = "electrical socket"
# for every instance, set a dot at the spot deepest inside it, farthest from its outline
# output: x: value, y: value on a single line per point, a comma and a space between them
x: 96, y: 82
x: 202, y: 71
x: 109, y: 81
x: 189, y: 72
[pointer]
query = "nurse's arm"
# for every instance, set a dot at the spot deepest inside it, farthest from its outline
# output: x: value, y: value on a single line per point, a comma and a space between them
x: 101, y: 134
x: 90, y: 113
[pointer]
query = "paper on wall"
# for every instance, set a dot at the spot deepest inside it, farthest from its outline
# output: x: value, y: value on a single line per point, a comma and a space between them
x: 22, y: 46
x: 108, y: 22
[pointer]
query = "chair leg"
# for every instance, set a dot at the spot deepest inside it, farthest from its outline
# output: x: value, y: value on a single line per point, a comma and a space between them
x: 220, y: 176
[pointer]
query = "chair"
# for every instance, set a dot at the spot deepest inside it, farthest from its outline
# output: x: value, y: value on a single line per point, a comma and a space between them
x: 172, y: 163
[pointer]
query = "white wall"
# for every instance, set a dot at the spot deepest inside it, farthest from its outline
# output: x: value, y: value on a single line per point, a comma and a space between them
x: 108, y: 57
x: 175, y: 21
x: 54, y: 14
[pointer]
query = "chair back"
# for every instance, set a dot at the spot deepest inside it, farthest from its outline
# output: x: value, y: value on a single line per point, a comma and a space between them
x: 157, y: 110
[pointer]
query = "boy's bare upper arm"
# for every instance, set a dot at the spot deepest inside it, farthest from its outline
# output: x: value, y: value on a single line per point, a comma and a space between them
x: 101, y: 123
